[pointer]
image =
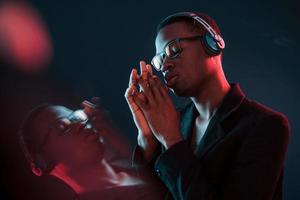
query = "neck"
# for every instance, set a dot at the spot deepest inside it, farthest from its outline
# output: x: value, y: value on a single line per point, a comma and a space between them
x: 208, y: 99
x: 88, y: 178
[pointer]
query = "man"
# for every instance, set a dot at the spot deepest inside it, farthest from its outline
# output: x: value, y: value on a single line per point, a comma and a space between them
x: 221, y: 145
x: 63, y: 143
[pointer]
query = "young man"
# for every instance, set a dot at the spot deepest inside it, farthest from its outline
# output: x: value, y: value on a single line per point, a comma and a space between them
x: 63, y: 143
x: 219, y: 146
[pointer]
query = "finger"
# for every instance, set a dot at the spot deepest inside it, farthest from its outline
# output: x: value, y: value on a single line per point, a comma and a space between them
x: 154, y: 88
x: 146, y: 89
x: 141, y: 96
x: 133, y: 79
x: 89, y: 108
x: 99, y: 109
x: 141, y: 100
x: 143, y: 81
x: 129, y: 94
x: 163, y: 90
x: 143, y: 70
x: 88, y: 104
x: 149, y: 68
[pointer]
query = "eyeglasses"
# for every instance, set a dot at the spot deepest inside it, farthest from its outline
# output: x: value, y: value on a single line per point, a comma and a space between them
x: 62, y: 125
x: 172, y: 49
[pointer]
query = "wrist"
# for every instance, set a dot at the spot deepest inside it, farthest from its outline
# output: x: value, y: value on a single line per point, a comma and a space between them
x: 169, y: 142
x: 146, y: 141
x: 148, y: 144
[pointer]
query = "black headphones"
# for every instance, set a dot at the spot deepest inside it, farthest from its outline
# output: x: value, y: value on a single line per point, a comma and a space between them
x: 212, y: 42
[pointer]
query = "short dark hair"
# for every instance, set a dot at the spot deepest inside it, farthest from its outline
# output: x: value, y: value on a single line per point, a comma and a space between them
x: 189, y: 20
x: 26, y: 133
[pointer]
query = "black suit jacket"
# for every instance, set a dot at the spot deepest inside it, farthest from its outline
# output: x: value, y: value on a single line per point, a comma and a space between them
x: 241, y: 156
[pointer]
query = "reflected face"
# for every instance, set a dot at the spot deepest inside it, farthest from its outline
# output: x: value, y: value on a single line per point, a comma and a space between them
x: 65, y: 136
x: 187, y: 73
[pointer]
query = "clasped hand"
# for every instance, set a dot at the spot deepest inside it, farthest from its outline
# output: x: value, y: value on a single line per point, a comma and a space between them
x: 153, y: 103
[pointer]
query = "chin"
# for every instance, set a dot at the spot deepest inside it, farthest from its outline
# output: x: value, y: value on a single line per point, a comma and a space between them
x: 179, y: 92
x: 179, y: 88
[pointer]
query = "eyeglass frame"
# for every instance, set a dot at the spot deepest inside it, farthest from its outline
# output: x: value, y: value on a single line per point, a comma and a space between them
x: 163, y: 52
x: 51, y: 127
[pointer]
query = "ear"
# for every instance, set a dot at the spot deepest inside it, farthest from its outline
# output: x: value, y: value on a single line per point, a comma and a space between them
x: 36, y: 170
x: 39, y: 166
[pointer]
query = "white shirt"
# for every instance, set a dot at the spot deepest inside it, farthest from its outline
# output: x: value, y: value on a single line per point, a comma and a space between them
x: 199, y: 130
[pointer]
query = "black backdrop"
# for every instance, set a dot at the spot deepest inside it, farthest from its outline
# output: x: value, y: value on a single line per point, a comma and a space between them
x: 96, y: 43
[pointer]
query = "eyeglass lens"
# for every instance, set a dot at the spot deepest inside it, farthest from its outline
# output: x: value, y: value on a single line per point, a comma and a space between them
x: 172, y: 50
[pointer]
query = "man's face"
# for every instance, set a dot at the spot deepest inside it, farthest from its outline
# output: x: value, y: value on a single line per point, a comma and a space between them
x: 186, y: 74
x: 61, y: 138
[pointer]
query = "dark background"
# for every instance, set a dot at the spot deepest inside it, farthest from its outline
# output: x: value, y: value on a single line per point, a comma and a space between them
x: 96, y: 43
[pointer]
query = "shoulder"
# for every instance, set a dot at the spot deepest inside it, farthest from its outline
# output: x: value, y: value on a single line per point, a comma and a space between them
x: 267, y: 120
x: 263, y: 112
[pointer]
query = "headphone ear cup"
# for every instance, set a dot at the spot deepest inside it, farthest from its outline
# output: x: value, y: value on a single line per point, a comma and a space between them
x: 210, y: 45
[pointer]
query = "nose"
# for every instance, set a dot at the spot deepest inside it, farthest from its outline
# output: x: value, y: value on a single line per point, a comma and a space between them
x: 167, y: 64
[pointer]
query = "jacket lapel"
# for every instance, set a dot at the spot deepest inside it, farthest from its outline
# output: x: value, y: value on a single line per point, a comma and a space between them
x: 215, y: 132
x: 187, y: 121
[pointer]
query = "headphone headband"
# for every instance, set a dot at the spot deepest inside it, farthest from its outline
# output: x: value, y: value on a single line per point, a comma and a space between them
x: 213, y: 33
x: 217, y: 37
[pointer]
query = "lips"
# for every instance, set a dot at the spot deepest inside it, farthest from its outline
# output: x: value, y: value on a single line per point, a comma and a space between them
x: 170, y: 79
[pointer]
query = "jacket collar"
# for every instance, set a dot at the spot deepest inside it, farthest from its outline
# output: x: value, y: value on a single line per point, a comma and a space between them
x: 214, y: 131
x: 231, y: 101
